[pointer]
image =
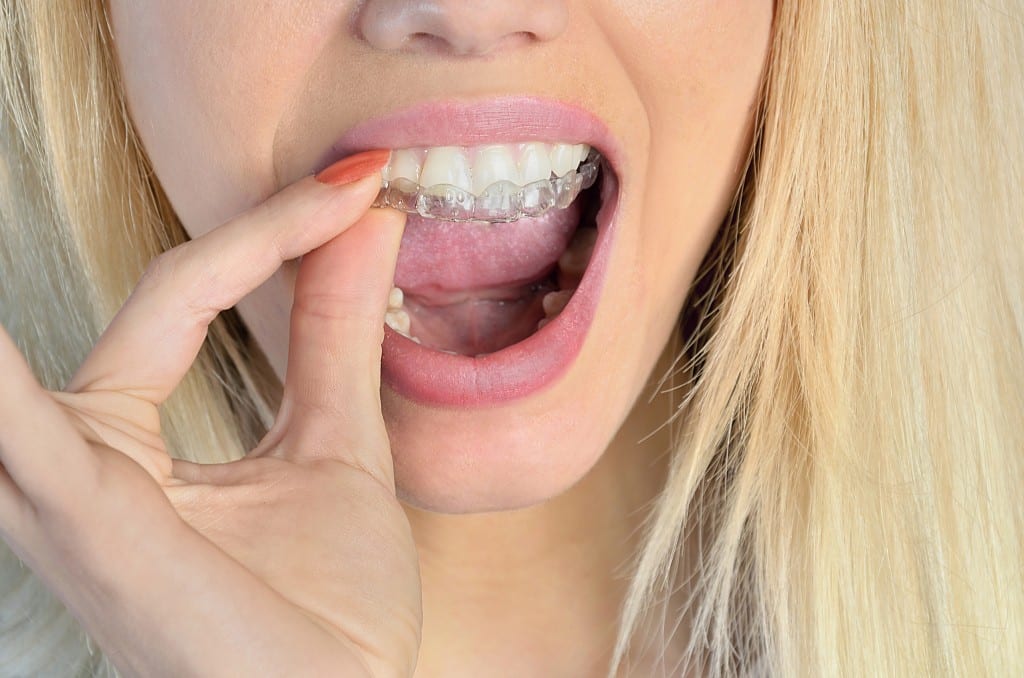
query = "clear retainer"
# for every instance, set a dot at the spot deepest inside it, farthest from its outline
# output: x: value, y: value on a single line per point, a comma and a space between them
x: 501, y: 202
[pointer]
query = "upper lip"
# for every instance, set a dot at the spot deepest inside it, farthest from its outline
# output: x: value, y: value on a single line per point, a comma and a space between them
x: 504, y: 119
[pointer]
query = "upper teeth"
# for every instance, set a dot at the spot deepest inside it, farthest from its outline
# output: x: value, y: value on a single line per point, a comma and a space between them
x: 474, y: 169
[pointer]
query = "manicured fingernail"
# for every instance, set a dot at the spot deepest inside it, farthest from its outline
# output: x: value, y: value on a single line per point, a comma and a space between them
x: 354, y: 167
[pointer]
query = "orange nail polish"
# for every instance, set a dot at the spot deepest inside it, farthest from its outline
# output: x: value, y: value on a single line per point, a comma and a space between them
x: 354, y: 167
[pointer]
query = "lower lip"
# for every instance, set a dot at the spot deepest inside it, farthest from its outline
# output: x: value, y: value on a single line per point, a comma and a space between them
x: 523, y: 369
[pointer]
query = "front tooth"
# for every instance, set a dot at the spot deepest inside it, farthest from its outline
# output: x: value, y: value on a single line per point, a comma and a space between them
x: 446, y: 165
x: 534, y: 163
x: 405, y: 163
x: 564, y: 157
x: 398, y: 321
x: 493, y: 164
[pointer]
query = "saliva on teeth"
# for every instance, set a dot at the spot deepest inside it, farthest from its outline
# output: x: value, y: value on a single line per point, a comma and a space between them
x: 495, y: 183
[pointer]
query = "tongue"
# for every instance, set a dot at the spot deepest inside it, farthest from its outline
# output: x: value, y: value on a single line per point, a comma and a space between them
x: 473, y: 288
x: 439, y: 257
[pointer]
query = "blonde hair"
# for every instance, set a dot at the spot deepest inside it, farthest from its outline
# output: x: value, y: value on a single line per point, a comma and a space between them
x: 851, y: 440
x: 854, y: 432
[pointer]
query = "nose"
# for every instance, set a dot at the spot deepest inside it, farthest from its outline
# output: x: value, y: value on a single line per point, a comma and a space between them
x: 460, y: 27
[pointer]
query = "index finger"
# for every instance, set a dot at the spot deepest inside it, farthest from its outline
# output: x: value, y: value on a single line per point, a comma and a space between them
x: 155, y: 337
x: 36, y: 439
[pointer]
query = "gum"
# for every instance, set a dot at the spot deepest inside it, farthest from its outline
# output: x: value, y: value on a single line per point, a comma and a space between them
x: 500, y: 202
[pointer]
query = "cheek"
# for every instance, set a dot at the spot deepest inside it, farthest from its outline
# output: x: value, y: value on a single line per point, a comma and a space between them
x: 205, y: 101
x: 700, y: 87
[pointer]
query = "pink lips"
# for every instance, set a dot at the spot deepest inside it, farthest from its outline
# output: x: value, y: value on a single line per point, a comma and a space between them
x: 440, y: 379
x: 467, y: 123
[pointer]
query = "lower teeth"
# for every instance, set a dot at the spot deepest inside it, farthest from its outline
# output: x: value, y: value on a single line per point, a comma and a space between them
x: 499, y: 203
x: 554, y: 303
x: 396, y: 317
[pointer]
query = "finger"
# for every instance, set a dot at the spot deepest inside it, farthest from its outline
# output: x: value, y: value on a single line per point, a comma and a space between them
x: 332, y: 385
x: 13, y: 508
x: 155, y: 337
x: 41, y: 452
x: 12, y: 499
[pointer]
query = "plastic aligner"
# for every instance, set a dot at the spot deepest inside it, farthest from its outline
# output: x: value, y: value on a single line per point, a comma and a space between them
x: 500, y: 202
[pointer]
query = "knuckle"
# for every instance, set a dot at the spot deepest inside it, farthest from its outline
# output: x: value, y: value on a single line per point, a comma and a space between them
x: 176, y: 270
x: 270, y: 210
x: 268, y: 221
x: 342, y: 307
x: 164, y: 269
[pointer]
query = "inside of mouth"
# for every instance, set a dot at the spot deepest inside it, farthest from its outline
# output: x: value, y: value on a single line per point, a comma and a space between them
x: 482, y: 321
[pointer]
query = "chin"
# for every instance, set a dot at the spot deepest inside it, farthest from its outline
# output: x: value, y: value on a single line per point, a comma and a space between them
x: 449, y: 462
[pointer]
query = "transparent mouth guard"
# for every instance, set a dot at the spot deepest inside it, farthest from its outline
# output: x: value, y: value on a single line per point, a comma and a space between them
x: 501, y: 202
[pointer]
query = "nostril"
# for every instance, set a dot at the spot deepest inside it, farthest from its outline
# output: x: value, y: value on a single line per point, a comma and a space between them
x: 466, y: 44
x: 459, y: 27
x: 425, y: 42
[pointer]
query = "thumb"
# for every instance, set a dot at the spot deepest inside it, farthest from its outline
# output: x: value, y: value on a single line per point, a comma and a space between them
x: 331, y: 401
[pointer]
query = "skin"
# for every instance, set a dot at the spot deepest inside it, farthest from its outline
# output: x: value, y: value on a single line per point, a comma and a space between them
x: 233, y: 105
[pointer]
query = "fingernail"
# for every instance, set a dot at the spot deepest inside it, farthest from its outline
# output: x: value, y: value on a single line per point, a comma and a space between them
x: 354, y: 167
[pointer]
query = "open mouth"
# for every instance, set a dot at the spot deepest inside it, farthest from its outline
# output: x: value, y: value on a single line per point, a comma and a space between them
x: 498, y: 240
x: 514, y: 204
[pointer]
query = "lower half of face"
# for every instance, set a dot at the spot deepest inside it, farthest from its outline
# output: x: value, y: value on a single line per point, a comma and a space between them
x: 514, y: 351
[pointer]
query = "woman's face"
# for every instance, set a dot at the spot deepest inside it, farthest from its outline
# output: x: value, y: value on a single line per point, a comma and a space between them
x: 235, y: 99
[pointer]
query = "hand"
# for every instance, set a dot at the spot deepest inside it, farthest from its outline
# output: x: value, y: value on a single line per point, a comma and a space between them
x: 297, y: 559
